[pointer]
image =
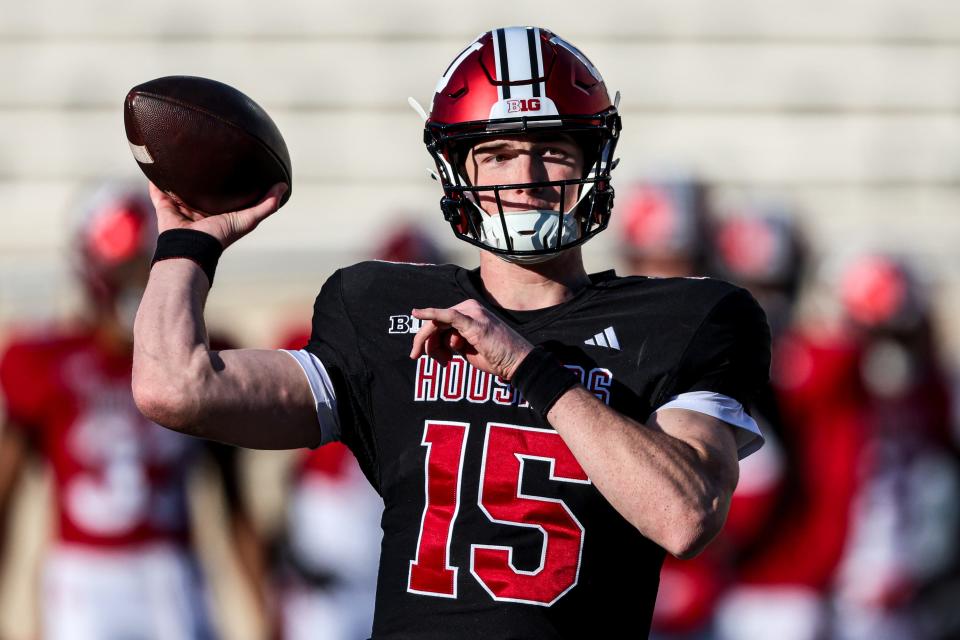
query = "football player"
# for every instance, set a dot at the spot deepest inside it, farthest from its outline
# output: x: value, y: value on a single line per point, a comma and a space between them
x: 120, y: 564
x: 900, y: 557
x: 540, y: 437
x: 800, y: 493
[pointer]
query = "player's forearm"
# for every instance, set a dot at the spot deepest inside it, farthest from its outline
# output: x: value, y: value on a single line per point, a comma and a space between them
x: 170, y: 343
x: 671, y: 491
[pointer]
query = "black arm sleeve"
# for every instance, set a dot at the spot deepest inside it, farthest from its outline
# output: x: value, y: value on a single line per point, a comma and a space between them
x: 728, y: 354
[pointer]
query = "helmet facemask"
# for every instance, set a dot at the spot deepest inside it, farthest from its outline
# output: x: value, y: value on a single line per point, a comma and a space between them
x: 533, y: 235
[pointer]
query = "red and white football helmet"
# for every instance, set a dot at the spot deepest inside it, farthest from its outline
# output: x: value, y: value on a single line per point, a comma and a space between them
x: 523, y: 80
x: 881, y: 292
x: 665, y: 227
x: 114, y: 235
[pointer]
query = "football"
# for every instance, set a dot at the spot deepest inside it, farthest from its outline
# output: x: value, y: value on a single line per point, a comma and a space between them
x: 206, y: 144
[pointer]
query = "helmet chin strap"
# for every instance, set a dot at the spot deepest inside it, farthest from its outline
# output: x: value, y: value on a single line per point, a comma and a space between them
x: 533, y: 230
x: 546, y: 257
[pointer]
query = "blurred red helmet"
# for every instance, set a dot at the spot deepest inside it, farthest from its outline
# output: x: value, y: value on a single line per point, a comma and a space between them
x: 880, y: 291
x: 410, y: 243
x: 513, y: 81
x: 760, y: 248
x: 114, y: 238
x: 664, y: 218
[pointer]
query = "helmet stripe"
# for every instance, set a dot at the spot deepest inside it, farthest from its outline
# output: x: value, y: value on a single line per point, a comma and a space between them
x: 532, y: 37
x: 503, y: 62
x: 540, y: 69
x: 518, y: 63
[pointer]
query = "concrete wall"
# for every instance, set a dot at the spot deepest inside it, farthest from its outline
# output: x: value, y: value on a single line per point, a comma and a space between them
x: 849, y: 109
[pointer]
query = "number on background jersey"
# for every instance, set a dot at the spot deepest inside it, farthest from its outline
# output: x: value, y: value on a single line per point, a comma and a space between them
x: 506, y: 449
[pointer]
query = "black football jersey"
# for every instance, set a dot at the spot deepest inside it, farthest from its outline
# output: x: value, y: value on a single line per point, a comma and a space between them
x: 491, y: 528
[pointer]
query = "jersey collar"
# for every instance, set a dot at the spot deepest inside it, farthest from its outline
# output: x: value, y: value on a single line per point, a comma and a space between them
x: 472, y: 286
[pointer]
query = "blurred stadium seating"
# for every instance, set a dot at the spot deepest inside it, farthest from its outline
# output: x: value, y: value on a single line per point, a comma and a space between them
x: 851, y: 110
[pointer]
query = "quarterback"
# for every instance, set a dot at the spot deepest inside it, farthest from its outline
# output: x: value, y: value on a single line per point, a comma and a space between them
x: 540, y: 437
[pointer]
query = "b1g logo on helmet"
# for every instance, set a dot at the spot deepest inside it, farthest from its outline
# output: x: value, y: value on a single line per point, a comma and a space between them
x: 523, y: 104
x: 511, y: 107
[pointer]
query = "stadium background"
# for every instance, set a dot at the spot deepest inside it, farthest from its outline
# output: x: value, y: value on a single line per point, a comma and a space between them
x: 848, y: 110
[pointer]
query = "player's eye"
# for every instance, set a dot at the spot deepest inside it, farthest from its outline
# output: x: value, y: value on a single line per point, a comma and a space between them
x: 555, y: 153
x: 495, y: 158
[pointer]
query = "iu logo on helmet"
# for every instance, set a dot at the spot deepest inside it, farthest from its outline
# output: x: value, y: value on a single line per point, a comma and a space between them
x: 525, y: 104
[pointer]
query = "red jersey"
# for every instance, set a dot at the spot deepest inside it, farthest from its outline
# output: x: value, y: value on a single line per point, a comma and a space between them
x: 119, y: 479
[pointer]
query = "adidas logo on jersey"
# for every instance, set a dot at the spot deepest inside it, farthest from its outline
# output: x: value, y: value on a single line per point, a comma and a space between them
x: 606, y: 338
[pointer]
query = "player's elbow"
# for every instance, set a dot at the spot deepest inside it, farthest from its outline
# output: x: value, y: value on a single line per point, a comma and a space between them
x: 167, y: 400
x: 694, y: 534
x: 695, y: 527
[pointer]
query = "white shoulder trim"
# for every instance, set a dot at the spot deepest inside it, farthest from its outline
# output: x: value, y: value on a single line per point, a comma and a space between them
x: 323, y: 393
x: 725, y: 408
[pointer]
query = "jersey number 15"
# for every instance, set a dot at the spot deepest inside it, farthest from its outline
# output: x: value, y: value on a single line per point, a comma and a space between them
x: 506, y: 448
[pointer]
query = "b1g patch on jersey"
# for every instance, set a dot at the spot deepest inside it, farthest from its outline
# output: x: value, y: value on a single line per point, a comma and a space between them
x: 404, y: 324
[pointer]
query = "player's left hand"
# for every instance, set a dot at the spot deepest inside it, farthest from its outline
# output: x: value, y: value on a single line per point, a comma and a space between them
x: 471, y: 330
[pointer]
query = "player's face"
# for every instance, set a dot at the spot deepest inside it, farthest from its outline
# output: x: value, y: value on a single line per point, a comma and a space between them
x: 525, y: 159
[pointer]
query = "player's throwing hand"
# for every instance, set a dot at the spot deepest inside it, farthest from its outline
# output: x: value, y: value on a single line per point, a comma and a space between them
x: 226, y: 227
x: 472, y: 331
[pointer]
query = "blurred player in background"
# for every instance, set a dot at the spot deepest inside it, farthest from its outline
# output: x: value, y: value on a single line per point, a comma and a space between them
x: 330, y: 547
x: 120, y: 565
x: 760, y: 246
x: 789, y: 519
x: 664, y: 228
x: 761, y: 250
x: 902, y: 551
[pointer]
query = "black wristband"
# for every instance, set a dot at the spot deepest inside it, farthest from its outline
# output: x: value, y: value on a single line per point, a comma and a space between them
x: 194, y: 245
x: 541, y: 379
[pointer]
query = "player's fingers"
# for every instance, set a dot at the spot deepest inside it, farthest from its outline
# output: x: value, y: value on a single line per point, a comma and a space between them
x: 470, y: 307
x: 157, y: 196
x: 161, y: 201
x: 169, y: 216
x: 449, y: 316
x: 428, y: 329
x: 437, y: 346
x: 170, y: 213
x: 267, y: 207
x: 458, y: 343
x: 478, y: 316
